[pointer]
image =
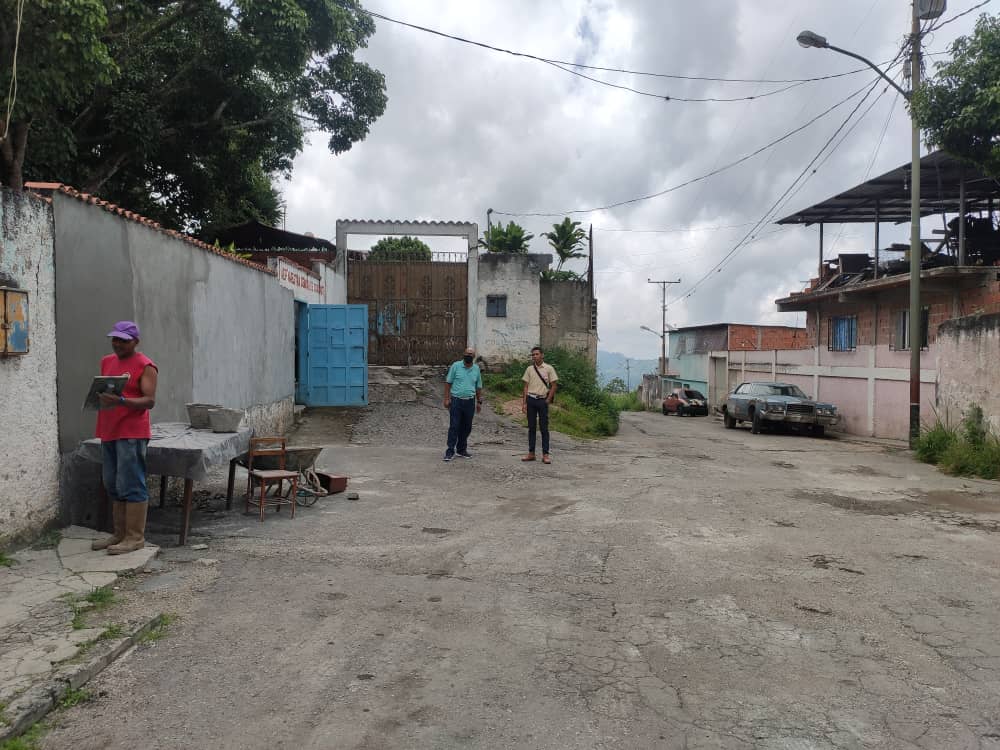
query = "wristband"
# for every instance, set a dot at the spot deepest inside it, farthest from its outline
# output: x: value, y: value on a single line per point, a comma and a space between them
x: 121, y: 400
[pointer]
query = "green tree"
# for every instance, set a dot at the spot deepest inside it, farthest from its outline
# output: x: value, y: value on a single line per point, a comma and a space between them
x: 399, y: 248
x: 959, y: 107
x: 566, y: 239
x: 616, y: 385
x: 199, y: 105
x: 509, y: 239
x: 61, y: 57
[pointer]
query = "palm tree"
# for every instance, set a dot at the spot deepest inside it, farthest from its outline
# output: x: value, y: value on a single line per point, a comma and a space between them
x: 509, y: 239
x: 566, y: 238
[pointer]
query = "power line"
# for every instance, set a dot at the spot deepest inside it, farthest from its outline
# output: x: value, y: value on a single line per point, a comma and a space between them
x: 539, y: 58
x: 767, y: 214
x: 667, y: 97
x: 959, y: 15
x: 693, y: 180
x: 675, y: 229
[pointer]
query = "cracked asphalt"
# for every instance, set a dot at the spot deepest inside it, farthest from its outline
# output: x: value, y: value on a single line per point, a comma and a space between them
x: 678, y: 586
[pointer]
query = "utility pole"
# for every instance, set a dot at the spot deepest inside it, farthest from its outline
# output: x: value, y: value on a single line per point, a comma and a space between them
x: 663, y: 327
x: 915, y: 245
x: 628, y: 374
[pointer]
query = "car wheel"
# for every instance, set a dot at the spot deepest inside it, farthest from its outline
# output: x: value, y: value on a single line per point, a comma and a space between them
x: 819, y: 430
x: 680, y: 410
x: 756, y: 424
x: 728, y: 421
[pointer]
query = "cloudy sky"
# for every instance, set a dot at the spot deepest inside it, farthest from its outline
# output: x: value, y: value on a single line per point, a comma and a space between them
x: 467, y: 129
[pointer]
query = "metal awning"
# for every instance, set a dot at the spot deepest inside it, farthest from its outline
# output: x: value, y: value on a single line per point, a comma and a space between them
x: 886, y: 198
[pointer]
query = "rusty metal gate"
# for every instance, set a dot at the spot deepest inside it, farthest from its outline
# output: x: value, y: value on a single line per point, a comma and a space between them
x: 417, y: 310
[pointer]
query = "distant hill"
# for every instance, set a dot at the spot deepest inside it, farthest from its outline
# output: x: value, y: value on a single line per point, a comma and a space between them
x: 611, y: 365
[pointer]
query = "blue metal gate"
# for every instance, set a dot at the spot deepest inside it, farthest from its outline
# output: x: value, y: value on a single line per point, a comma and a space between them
x: 333, y: 355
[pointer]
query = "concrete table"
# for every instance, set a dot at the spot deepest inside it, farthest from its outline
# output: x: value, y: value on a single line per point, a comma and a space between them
x: 178, y: 450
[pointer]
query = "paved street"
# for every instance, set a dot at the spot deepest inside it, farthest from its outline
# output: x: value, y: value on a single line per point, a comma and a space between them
x: 678, y: 586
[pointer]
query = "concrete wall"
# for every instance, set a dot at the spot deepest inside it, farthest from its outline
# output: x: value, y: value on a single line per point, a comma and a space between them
x: 566, y: 308
x: 517, y: 276
x: 29, y: 470
x: 967, y: 357
x: 221, y: 331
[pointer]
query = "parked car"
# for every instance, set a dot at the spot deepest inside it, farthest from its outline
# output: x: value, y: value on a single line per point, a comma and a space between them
x: 767, y: 404
x: 681, y: 401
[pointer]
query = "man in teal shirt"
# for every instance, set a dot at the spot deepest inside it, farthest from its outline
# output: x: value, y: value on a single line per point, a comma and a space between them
x: 463, y: 398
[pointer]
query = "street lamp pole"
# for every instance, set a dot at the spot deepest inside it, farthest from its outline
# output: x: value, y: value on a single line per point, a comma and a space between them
x: 922, y: 10
x: 916, y: 339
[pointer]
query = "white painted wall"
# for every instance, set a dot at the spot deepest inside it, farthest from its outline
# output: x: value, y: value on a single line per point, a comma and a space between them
x: 29, y: 438
x: 517, y: 276
x: 322, y: 285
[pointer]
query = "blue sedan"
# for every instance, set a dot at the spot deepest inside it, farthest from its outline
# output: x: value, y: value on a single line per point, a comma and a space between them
x: 767, y: 404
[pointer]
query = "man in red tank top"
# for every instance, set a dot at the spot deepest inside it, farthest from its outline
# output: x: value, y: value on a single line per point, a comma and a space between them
x: 124, y: 429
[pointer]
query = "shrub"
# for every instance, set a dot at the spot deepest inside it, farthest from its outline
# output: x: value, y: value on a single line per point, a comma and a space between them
x: 932, y: 444
x: 971, y: 450
x: 400, y: 248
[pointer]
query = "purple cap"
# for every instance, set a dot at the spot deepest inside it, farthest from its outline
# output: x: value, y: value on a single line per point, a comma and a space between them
x: 125, y: 329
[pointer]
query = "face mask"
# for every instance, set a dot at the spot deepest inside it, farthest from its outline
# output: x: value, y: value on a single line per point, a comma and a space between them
x: 468, y: 359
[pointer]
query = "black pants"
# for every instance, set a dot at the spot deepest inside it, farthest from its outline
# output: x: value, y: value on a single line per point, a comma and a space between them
x: 460, y: 423
x: 538, y: 412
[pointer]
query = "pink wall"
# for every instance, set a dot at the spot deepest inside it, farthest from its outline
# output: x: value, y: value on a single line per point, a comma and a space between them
x: 850, y: 395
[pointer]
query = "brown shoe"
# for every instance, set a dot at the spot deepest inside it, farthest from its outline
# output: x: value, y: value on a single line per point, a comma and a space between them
x: 118, y: 524
x: 529, y: 457
x: 135, y: 530
x: 546, y: 459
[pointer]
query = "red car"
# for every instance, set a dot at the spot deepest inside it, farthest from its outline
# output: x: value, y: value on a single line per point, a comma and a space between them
x: 681, y: 401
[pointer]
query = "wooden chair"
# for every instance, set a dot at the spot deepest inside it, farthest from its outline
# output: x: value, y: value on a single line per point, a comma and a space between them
x: 271, y: 447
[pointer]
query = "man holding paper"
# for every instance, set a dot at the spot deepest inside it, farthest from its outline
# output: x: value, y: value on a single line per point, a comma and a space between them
x: 124, y: 429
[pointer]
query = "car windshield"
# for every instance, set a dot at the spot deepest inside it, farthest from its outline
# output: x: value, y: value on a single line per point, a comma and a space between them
x: 783, y: 390
x: 691, y: 394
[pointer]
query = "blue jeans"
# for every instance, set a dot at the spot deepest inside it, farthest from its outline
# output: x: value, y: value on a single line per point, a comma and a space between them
x: 460, y: 423
x: 125, y: 470
x: 538, y: 413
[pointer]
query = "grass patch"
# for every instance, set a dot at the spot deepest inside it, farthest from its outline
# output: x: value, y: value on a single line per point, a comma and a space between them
x: 581, y: 409
x: 49, y: 540
x: 969, y: 450
x: 74, y: 698
x: 111, y: 632
x: 627, y: 401
x: 6, y: 561
x: 27, y: 741
x: 98, y: 599
x: 159, y: 630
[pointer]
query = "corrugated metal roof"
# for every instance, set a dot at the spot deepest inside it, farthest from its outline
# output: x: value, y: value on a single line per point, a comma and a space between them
x: 886, y: 198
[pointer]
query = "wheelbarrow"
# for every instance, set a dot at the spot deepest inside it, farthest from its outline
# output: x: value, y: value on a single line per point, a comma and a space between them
x: 300, y: 458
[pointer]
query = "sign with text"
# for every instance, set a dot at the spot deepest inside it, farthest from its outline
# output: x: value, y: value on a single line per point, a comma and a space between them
x: 306, y: 286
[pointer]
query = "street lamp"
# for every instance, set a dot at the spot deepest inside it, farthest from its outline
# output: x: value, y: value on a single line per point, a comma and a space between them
x: 922, y: 10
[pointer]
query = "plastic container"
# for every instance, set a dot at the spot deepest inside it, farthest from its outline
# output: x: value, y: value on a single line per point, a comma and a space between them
x: 198, y: 415
x: 225, y: 420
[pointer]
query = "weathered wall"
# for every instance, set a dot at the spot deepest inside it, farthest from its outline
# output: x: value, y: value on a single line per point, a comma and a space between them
x: 220, y: 331
x: 517, y: 276
x: 29, y: 471
x: 967, y: 357
x: 565, y: 311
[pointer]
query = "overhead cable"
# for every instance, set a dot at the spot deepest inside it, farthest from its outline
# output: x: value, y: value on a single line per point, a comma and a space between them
x: 693, y: 180
x: 955, y: 17
x: 567, y: 63
x: 770, y: 211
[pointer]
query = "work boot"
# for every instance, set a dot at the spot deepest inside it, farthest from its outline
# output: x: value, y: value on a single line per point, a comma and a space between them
x: 135, y: 530
x: 117, y: 525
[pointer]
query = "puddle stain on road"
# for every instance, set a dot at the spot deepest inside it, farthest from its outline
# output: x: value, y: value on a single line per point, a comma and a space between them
x: 938, y: 505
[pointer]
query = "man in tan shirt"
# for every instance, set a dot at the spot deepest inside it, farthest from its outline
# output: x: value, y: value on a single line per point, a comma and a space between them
x: 539, y: 391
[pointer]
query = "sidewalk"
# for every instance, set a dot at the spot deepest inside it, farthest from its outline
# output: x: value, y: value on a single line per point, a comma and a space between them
x: 45, y: 648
